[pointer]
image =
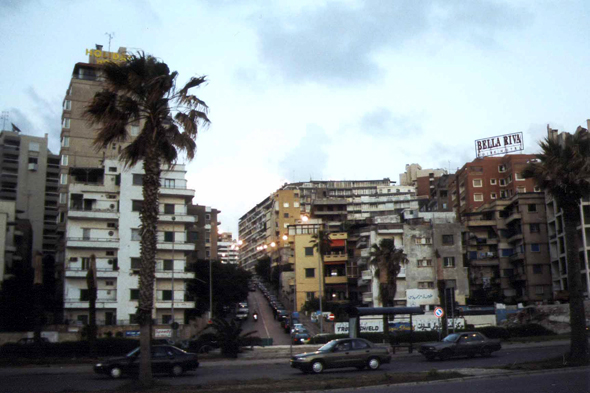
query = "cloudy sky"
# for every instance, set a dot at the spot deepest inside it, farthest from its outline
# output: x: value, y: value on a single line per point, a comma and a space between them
x: 319, y: 89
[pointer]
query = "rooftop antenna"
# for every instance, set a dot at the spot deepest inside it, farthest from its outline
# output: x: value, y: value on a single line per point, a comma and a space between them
x: 111, y: 36
x: 5, y: 116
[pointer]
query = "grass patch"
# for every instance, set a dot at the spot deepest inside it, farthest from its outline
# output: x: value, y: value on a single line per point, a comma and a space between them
x: 535, y: 339
x: 562, y: 361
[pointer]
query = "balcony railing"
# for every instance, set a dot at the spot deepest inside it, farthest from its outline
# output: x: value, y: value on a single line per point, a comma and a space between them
x: 94, y: 239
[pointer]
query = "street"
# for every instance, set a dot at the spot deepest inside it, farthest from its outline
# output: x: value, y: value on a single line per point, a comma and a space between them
x: 266, y: 326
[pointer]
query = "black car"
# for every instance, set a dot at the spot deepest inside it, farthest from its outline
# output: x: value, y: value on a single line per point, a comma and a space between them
x: 282, y: 315
x: 165, y: 359
x: 460, y: 344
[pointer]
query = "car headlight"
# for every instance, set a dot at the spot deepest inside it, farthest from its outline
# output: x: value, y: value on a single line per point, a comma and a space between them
x: 99, y: 365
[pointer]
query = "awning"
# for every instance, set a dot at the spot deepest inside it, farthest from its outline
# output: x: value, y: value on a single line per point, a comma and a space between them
x: 337, y: 243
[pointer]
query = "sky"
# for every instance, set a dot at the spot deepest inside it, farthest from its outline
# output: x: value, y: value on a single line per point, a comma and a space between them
x: 312, y: 89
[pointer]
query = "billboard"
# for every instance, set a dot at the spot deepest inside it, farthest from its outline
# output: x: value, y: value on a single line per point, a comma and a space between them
x: 500, y: 144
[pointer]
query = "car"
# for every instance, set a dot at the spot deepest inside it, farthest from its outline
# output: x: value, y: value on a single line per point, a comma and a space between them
x: 300, y: 338
x: 165, y: 359
x: 282, y: 315
x: 31, y: 341
x: 460, y: 344
x: 242, y: 314
x: 298, y: 327
x: 344, y: 352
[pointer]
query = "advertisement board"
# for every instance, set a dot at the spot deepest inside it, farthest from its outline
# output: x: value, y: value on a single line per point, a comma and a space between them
x: 162, y: 333
x: 500, y: 144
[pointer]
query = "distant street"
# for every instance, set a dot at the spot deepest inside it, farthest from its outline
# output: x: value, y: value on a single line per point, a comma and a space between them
x: 266, y: 326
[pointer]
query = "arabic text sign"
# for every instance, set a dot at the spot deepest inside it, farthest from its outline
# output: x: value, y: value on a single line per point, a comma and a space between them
x: 366, y: 327
x: 501, y: 144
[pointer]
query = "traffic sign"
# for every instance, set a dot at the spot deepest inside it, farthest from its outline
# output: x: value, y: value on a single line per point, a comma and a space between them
x: 331, y: 317
x: 438, y: 312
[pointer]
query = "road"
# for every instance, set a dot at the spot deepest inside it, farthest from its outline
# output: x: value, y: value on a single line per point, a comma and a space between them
x: 56, y: 379
x: 267, y: 326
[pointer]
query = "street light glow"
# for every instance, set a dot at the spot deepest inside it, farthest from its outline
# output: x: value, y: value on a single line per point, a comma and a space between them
x: 304, y: 218
x: 285, y: 237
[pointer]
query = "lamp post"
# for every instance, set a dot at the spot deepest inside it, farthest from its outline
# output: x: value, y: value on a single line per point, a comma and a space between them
x: 210, y: 289
x: 173, y: 241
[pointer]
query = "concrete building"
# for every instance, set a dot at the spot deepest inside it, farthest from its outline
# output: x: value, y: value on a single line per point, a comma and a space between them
x: 227, y: 248
x: 30, y: 175
x: 506, y: 248
x: 422, y: 179
x: 103, y: 221
x: 204, y: 231
x: 7, y: 243
x: 440, y: 195
x: 487, y: 179
x: 556, y: 233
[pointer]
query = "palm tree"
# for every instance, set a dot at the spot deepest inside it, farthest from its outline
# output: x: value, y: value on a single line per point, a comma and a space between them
x: 321, y: 243
x: 387, y: 260
x: 92, y: 296
x: 144, y: 90
x: 563, y: 170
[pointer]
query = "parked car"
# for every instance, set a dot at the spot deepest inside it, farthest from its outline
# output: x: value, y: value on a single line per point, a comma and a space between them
x: 345, y: 352
x: 460, y: 344
x: 242, y: 314
x: 31, y: 341
x: 282, y: 315
x: 300, y: 338
x: 165, y: 359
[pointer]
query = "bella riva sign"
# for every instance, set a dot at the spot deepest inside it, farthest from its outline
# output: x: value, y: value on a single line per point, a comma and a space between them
x: 103, y: 56
x: 501, y: 144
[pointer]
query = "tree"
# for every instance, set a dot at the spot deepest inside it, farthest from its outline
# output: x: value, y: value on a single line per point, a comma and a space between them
x: 143, y: 89
x: 387, y: 260
x: 262, y: 268
x: 229, y: 336
x: 563, y: 170
x: 92, y: 295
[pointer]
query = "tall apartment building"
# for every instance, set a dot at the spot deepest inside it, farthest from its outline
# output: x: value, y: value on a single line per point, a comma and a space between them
x: 440, y: 195
x: 30, y: 175
x: 506, y: 249
x: 203, y: 233
x: 103, y: 221
x: 556, y: 231
x: 227, y: 248
x: 489, y: 178
x: 422, y: 179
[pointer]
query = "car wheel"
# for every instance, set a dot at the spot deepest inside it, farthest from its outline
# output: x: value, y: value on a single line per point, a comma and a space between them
x: 445, y: 354
x: 374, y: 364
x: 486, y: 352
x: 317, y: 367
x: 115, y: 372
x: 177, y: 370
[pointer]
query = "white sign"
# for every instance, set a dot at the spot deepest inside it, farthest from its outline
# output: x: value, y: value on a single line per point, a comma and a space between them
x: 424, y: 323
x: 501, y: 144
x: 162, y: 333
x: 366, y: 327
x: 421, y: 297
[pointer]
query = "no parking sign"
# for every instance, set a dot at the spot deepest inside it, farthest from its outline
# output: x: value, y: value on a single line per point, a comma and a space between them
x: 438, y: 312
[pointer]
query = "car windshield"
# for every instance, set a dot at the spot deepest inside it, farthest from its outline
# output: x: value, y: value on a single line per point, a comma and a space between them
x: 328, y: 347
x: 451, y: 338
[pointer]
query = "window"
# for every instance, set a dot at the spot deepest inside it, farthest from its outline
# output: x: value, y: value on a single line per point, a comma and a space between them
x: 425, y: 284
x: 506, y: 252
x: 168, y: 264
x: 308, y: 251
x: 520, y: 190
x: 425, y: 263
x: 537, y: 269
x: 518, y: 177
x: 478, y: 197
x: 133, y: 319
x: 67, y: 105
x: 532, y: 208
x: 310, y: 295
x: 358, y: 344
x: 63, y: 197
x: 64, y: 160
x: 477, y: 183
x: 85, y: 263
x: 169, y: 183
x: 537, y: 189
x: 285, y: 215
x: 539, y: 290
x: 136, y: 205
x: 286, y: 204
x: 134, y: 130
x: 207, y: 217
x: 111, y: 225
x: 493, y: 182
x: 137, y: 179
x: 169, y: 208
x: 160, y: 352
x: 501, y: 168
x: 502, y: 182
x: 423, y: 240
x: 169, y: 236
x: 193, y: 236
x: 207, y: 253
x: 63, y: 179
x: 447, y: 239
x: 83, y: 319
x: 295, y: 204
x: 535, y: 228
x: 167, y: 295
x: 535, y: 247
x: 510, y: 179
x: 493, y: 195
x: 66, y: 123
x: 109, y: 283
x: 503, y: 194
x: 134, y: 294
x: 84, y: 295
x: 33, y: 160
x: 135, y: 235
x: 113, y: 169
x: 449, y: 261
x: 65, y: 141
x: 33, y: 146
x: 309, y: 273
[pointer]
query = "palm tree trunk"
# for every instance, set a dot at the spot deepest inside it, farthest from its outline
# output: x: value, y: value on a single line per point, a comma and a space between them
x: 579, y: 340
x: 149, y: 222
x: 92, y: 295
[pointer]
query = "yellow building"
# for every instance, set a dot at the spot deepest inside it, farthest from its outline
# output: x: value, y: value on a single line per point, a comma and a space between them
x: 308, y: 269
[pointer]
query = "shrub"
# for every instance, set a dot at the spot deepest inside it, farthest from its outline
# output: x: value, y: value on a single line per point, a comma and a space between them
x: 494, y: 332
x: 529, y: 330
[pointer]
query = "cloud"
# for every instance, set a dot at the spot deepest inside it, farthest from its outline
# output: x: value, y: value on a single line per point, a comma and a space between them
x: 335, y: 43
x: 309, y: 158
x: 382, y: 122
x: 445, y: 156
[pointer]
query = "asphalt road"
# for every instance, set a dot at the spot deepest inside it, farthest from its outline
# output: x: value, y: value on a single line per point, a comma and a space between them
x: 266, y: 326
x: 57, y: 379
x: 569, y: 381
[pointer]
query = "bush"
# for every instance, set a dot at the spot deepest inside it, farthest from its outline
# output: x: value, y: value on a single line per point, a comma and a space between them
x: 529, y: 330
x: 494, y: 332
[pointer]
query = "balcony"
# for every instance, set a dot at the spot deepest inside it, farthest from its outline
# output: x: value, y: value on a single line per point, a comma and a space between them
x: 167, y: 304
x: 335, y: 280
x: 367, y: 297
x: 73, y: 272
x: 336, y: 258
x: 481, y: 223
x: 85, y: 242
x: 180, y: 218
x: 512, y: 217
x: 517, y: 278
x: 402, y: 273
x: 178, y: 274
x: 99, y: 214
x: 178, y: 246
x: 179, y: 190
x: 514, y: 237
x: 516, y: 257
